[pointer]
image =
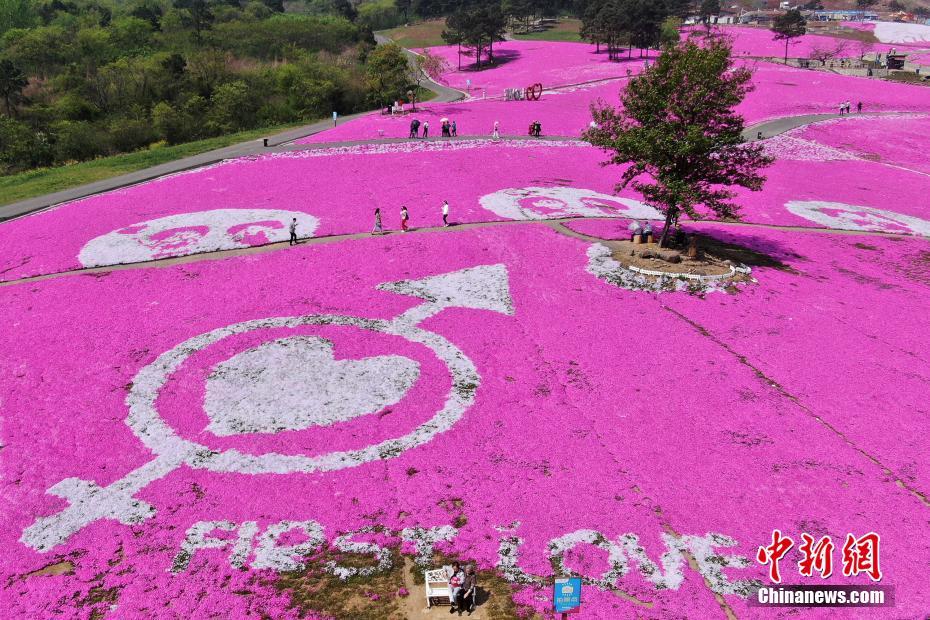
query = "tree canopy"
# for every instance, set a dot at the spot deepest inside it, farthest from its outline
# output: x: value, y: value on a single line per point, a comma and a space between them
x: 678, y: 136
x: 623, y: 23
x: 476, y: 25
x: 85, y: 78
x: 787, y: 26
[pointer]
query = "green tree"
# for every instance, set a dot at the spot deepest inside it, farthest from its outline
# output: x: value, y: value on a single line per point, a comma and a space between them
x: 232, y: 107
x: 646, y: 17
x: 38, y: 51
x: 16, y: 14
x: 345, y: 9
x: 590, y: 30
x: 520, y: 11
x: 22, y: 147
x: 787, y: 26
x: 709, y: 9
x: 476, y: 27
x: 196, y: 14
x: 12, y: 83
x: 386, y: 74
x: 404, y: 7
x: 679, y: 136
x: 671, y: 31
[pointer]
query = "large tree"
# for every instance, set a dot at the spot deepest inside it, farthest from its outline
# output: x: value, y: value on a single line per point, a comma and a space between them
x: 476, y: 26
x: 787, y: 26
x: 197, y: 14
x: 12, y: 83
x: 386, y: 73
x: 678, y: 135
x: 709, y: 9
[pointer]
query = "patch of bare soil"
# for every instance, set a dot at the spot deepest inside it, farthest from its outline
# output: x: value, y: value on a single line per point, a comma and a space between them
x: 394, y: 594
x: 917, y: 268
x: 701, y: 255
x: 374, y: 597
x: 58, y: 568
x: 838, y: 32
x: 494, y: 599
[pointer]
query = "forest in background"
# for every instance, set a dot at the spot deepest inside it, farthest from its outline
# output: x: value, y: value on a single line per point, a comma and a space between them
x: 81, y: 79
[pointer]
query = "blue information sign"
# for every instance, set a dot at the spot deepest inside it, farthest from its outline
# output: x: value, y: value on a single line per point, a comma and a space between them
x: 566, y: 593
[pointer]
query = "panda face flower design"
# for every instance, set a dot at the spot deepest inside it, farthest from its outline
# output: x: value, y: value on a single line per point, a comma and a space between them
x: 852, y: 217
x: 537, y: 203
x: 191, y: 233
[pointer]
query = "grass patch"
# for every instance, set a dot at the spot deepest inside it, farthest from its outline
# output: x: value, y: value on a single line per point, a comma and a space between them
x: 357, y: 598
x: 907, y: 77
x: 421, y: 34
x: 563, y: 30
x: 32, y: 183
x: 377, y: 597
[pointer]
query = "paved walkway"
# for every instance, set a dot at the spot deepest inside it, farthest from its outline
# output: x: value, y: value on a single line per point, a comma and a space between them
x: 284, y: 142
x: 554, y: 223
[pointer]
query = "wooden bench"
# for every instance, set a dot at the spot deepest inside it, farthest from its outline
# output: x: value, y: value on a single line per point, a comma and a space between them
x: 437, y: 586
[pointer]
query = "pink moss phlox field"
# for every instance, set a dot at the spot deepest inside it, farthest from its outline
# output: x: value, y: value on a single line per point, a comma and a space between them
x: 760, y: 42
x: 568, y: 445
x: 898, y: 140
x: 562, y: 111
x: 341, y: 188
x: 787, y: 91
x: 779, y: 91
x: 522, y: 63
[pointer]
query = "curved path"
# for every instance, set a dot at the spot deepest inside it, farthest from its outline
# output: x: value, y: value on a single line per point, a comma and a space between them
x: 776, y: 126
x: 553, y: 223
x: 284, y: 142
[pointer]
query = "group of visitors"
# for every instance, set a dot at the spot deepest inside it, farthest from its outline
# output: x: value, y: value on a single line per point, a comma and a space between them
x: 463, y: 586
x: 405, y: 219
x: 535, y: 129
x: 449, y: 128
x: 846, y: 108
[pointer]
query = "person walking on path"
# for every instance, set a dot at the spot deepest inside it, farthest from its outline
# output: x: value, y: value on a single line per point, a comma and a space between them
x: 377, y: 230
x: 859, y: 107
x: 496, y: 134
x: 425, y: 129
x: 404, y: 217
x: 454, y: 130
x: 842, y: 107
x: 414, y: 128
x: 445, y: 212
x: 293, y: 229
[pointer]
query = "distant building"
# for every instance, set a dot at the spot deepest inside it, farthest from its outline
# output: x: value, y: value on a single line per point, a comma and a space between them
x: 895, y: 61
x: 725, y: 18
x: 763, y: 18
x: 843, y: 16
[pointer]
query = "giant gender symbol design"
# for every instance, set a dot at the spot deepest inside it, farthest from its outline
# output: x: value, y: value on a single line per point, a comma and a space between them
x: 482, y: 288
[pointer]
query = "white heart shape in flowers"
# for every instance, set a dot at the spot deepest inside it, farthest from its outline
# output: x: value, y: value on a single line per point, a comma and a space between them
x: 539, y: 203
x: 294, y: 383
x: 192, y: 233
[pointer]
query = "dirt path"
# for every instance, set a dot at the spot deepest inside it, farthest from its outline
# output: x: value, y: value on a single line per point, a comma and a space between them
x: 556, y: 224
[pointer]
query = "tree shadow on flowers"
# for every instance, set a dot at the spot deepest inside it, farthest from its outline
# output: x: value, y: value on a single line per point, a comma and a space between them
x: 748, y: 249
x: 501, y: 58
